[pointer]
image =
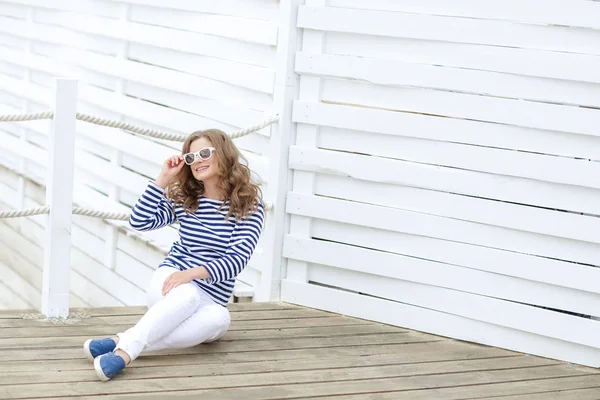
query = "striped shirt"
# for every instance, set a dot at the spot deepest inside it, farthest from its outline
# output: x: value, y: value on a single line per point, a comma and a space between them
x: 206, y: 239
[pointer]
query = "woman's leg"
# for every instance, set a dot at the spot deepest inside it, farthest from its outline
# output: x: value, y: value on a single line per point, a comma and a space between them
x: 209, y: 323
x: 162, y: 317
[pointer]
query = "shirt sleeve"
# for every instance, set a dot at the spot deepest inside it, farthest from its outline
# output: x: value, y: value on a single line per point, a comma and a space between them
x: 241, y: 246
x: 152, y: 210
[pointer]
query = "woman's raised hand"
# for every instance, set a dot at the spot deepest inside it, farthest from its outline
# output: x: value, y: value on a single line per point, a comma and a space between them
x: 169, y: 170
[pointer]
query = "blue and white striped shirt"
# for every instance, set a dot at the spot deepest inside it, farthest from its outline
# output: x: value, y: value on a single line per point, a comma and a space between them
x: 206, y: 239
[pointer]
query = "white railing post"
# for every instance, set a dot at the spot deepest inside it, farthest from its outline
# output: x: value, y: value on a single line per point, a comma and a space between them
x: 59, y: 196
x: 282, y: 135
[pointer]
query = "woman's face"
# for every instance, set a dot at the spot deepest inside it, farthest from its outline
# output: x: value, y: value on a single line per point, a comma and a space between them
x: 204, y: 170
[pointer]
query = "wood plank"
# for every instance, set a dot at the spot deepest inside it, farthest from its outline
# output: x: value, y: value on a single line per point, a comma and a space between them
x: 532, y: 11
x: 435, y: 322
x: 366, y: 365
x: 452, y: 180
x: 519, y: 61
x: 538, y: 269
x: 410, y: 353
x: 528, y: 114
x: 485, y: 211
x: 102, y: 330
x: 83, y: 319
x: 579, y: 394
x: 383, y: 71
x: 59, y: 352
x: 274, y: 334
x: 441, y: 28
x: 398, y: 220
x: 410, y: 269
x: 315, y: 383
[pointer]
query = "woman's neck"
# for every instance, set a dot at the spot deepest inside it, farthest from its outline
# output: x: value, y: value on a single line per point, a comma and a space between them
x: 211, y: 191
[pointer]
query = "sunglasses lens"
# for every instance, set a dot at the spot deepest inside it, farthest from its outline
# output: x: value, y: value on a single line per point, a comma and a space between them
x: 189, y: 158
x: 205, y: 153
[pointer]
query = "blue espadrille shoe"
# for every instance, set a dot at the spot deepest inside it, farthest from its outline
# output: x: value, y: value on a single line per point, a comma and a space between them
x: 94, y: 348
x: 108, y: 366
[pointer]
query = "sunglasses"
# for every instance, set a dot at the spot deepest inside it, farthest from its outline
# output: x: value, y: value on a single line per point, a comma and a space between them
x: 203, y: 154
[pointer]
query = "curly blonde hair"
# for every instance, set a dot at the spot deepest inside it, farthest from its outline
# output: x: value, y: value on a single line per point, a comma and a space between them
x: 235, y: 180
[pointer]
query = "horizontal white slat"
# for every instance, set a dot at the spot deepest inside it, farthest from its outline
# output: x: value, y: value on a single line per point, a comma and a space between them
x: 452, y: 180
x: 257, y: 9
x: 465, y: 106
x: 397, y: 220
x: 441, y: 28
x: 92, y: 7
x: 496, y: 311
x: 383, y: 71
x: 464, y: 208
x: 239, y: 28
x: 11, y: 40
x: 189, y: 42
x: 225, y: 72
x: 57, y: 35
x: 409, y: 269
x: 425, y: 320
x: 9, y: 9
x: 468, y: 157
x: 525, y: 266
x: 582, y: 13
x: 447, y: 129
x: 559, y: 65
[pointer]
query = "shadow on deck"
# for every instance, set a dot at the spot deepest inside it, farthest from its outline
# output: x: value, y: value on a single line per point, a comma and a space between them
x: 277, y: 351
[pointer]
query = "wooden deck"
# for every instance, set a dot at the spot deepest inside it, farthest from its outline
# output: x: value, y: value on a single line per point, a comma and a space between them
x: 278, y: 351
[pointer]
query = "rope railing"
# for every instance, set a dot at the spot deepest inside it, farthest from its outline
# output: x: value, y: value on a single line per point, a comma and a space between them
x: 130, y: 127
x: 117, y: 125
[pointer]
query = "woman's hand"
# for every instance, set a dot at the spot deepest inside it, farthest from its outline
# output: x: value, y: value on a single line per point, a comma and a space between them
x: 169, y: 170
x: 176, y: 279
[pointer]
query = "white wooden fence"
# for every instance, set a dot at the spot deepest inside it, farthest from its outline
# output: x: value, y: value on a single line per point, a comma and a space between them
x: 176, y: 67
x: 446, y: 169
x: 443, y: 155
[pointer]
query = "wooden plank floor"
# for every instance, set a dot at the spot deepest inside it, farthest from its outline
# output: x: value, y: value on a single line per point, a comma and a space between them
x: 278, y: 351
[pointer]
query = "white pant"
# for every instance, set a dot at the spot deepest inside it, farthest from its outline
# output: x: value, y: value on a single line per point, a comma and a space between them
x: 185, y: 317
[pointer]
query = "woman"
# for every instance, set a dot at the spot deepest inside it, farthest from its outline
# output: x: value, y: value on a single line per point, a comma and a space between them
x: 209, y: 191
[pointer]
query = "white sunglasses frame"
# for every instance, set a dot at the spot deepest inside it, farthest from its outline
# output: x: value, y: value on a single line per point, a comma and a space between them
x: 198, y: 156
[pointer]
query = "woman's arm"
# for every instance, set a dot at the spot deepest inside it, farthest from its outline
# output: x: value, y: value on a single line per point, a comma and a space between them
x: 152, y: 210
x: 241, y: 246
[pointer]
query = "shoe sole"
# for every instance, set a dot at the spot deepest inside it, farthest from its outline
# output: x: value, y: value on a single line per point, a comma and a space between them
x: 99, y: 371
x: 86, y: 350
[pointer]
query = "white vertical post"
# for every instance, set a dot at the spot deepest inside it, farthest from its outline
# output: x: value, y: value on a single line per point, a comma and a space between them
x: 59, y: 196
x: 116, y: 158
x: 306, y: 136
x: 282, y: 135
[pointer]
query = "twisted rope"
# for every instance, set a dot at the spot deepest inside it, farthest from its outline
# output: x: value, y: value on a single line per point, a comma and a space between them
x: 76, y: 210
x: 26, y: 117
x: 130, y: 127
x: 25, y: 213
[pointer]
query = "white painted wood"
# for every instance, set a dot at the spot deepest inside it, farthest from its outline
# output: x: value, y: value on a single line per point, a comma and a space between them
x: 525, y: 266
x: 284, y: 131
x: 398, y: 220
x: 257, y: 9
x: 528, y: 114
x: 384, y: 71
x: 307, y: 136
x: 580, y: 13
x: 239, y: 28
x: 452, y: 180
x: 503, y: 162
x: 447, y: 129
x: 529, y: 62
x: 59, y: 184
x: 409, y: 269
x: 439, y: 323
x: 464, y: 208
x: 441, y: 28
